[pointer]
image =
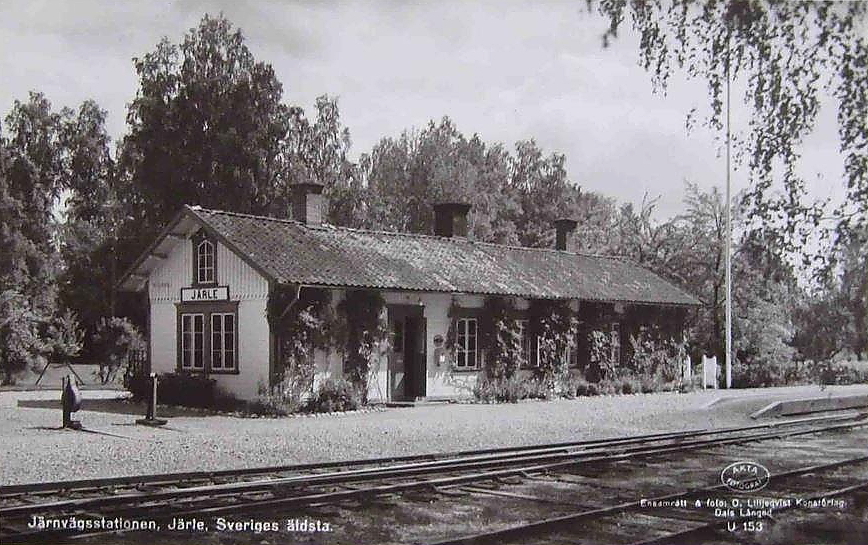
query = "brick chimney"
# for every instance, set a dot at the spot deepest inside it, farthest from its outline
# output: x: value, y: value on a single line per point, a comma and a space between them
x: 564, y: 227
x: 450, y: 219
x: 307, y: 203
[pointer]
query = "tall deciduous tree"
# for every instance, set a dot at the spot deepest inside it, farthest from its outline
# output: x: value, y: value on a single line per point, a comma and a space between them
x: 407, y: 175
x: 88, y: 235
x: 516, y: 196
x: 33, y: 158
x: 206, y: 127
x: 32, y: 181
x: 543, y: 191
x: 854, y: 291
x: 318, y: 152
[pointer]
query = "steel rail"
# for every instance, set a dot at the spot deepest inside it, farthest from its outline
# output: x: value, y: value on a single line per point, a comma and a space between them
x: 170, y: 509
x: 556, y: 460
x: 166, y: 511
x: 554, y: 523
x: 57, y: 487
x: 493, y: 474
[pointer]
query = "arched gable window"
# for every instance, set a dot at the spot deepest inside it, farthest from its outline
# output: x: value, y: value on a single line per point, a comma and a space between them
x: 204, y: 261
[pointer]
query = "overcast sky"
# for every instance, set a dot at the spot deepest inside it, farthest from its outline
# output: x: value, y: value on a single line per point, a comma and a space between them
x: 505, y: 70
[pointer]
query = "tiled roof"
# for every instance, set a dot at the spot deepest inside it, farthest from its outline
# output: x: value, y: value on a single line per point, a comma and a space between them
x: 291, y: 252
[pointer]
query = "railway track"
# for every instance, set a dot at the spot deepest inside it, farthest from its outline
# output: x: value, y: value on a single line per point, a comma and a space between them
x: 691, y: 527
x: 479, y: 473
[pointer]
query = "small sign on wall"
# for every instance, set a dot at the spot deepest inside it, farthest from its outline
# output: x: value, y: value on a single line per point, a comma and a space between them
x: 193, y: 295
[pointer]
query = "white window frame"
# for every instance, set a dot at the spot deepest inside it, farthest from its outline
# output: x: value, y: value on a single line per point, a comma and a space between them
x: 615, y: 342
x: 463, y: 336
x: 188, y: 341
x: 205, y: 262
x: 527, y: 354
x: 220, y: 352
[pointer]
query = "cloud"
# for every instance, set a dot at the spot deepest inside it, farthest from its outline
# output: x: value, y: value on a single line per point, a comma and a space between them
x: 506, y: 70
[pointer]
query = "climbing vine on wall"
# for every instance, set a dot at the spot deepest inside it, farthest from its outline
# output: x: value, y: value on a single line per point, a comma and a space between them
x: 359, y: 330
x: 553, y: 323
x: 301, y: 320
x: 454, y: 310
x: 499, y: 334
x: 656, y: 351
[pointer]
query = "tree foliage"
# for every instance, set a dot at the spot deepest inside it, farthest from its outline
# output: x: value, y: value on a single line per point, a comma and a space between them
x: 207, y: 127
x: 19, y: 341
x: 112, y: 345
x: 516, y: 196
x: 784, y: 54
x: 34, y: 160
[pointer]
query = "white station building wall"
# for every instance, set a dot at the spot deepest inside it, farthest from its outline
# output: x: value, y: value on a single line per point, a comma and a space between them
x: 250, y: 290
x: 246, y: 286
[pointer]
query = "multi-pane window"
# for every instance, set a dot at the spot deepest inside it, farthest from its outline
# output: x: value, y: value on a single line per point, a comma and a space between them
x: 466, y: 343
x: 526, y: 343
x: 615, y: 356
x: 193, y: 341
x: 222, y: 341
x: 208, y: 338
x: 205, y: 262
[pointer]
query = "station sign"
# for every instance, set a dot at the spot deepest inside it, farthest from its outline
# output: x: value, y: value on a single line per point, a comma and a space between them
x: 196, y: 295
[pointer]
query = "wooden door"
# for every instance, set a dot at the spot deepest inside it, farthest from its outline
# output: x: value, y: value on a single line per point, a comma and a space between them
x: 407, y: 367
x: 414, y: 355
x: 396, y: 356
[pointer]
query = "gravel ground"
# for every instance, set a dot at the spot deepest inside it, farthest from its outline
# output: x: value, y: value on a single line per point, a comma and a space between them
x: 34, y: 449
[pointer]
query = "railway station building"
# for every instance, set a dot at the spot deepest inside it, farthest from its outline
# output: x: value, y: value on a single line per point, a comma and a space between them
x: 217, y: 285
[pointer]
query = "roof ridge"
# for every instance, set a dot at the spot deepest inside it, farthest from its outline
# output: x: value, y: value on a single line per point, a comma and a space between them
x: 197, y: 208
x: 459, y: 240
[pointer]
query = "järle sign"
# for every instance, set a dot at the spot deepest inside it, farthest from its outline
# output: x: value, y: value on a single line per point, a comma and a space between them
x: 191, y: 295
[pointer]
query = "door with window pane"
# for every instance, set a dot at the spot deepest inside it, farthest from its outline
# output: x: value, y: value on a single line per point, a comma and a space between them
x: 193, y: 341
x: 223, y: 341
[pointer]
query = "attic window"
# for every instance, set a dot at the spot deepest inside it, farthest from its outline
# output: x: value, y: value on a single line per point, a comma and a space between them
x: 205, y: 262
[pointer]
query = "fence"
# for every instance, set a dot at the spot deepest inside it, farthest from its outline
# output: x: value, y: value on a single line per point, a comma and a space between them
x: 138, y: 362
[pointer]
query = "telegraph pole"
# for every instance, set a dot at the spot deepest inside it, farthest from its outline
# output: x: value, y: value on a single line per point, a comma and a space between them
x: 728, y: 273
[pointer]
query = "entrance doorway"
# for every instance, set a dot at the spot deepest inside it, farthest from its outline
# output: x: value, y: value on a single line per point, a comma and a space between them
x: 407, y: 369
